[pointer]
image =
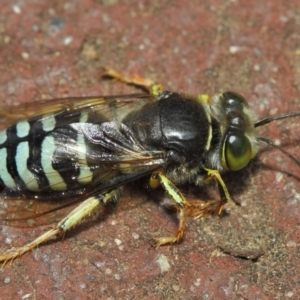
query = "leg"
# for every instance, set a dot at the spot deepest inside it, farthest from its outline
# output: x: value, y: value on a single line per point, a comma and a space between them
x: 185, y: 209
x: 145, y: 83
x: 223, y: 191
x: 180, y: 202
x: 72, y: 219
x: 212, y: 207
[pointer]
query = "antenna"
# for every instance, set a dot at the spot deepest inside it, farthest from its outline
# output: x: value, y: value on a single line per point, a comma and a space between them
x: 268, y: 120
x: 271, y: 143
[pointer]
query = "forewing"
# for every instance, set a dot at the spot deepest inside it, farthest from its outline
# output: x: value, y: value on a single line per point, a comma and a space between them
x: 111, y: 106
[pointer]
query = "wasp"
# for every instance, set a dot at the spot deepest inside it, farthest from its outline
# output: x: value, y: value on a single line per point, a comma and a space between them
x: 84, y: 150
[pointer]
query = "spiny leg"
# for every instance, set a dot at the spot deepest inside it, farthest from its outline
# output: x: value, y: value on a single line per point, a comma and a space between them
x: 211, y: 207
x: 71, y: 220
x: 145, y: 83
x: 174, y: 193
x: 223, y: 191
x: 196, y: 208
x: 184, y: 208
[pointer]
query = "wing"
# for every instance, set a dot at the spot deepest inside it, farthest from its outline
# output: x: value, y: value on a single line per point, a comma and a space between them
x: 111, y: 106
x: 85, y: 135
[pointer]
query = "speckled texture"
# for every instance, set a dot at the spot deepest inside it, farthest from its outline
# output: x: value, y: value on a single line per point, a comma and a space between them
x: 55, y: 48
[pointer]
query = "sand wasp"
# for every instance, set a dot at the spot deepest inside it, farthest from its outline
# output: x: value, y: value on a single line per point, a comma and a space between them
x: 84, y: 150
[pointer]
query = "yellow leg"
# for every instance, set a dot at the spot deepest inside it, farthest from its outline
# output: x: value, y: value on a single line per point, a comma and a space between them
x: 71, y: 220
x: 195, y: 209
x: 145, y: 83
x: 215, y: 174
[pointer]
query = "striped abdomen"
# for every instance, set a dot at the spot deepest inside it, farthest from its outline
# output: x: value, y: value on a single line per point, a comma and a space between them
x: 45, y: 154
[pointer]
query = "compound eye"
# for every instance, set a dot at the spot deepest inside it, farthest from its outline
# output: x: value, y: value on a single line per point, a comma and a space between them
x: 237, y: 151
x: 234, y: 99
